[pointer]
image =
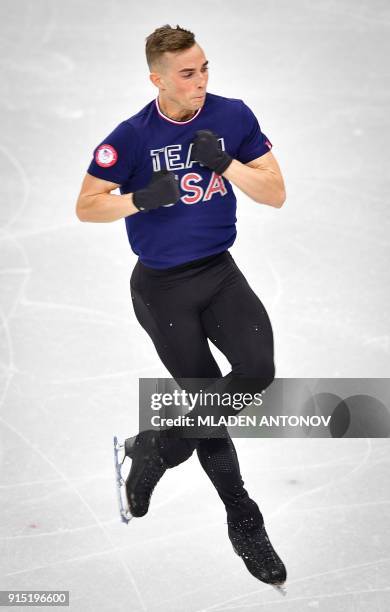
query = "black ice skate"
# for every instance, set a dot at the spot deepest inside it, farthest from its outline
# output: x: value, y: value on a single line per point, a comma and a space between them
x: 147, y: 467
x: 252, y: 544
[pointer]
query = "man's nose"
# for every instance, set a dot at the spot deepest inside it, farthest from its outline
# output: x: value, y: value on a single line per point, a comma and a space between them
x: 202, y: 79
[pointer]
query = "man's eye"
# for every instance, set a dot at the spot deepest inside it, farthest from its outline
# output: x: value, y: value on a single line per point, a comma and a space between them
x: 189, y: 75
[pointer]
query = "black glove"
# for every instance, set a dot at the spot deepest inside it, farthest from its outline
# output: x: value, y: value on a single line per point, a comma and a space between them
x: 162, y: 189
x: 208, y: 152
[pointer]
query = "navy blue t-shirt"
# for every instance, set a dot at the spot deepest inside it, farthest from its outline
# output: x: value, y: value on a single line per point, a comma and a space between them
x: 203, y: 221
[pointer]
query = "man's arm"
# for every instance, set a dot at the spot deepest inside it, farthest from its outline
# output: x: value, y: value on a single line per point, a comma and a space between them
x: 261, y: 179
x: 96, y: 203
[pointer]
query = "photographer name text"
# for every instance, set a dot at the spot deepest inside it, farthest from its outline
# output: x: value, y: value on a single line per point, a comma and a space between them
x: 242, y: 421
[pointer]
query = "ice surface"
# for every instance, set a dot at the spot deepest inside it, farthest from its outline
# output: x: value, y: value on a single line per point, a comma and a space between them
x: 72, y: 351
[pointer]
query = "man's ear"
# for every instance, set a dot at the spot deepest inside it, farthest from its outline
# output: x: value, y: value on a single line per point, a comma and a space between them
x: 157, y: 80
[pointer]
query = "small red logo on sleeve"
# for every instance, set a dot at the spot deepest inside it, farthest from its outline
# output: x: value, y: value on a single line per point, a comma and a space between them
x: 269, y: 145
x: 106, y: 156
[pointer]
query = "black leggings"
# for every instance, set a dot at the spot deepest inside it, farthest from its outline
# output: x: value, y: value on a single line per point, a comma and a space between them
x: 181, y: 309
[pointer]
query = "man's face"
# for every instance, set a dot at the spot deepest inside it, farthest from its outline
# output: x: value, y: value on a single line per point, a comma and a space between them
x: 182, y: 77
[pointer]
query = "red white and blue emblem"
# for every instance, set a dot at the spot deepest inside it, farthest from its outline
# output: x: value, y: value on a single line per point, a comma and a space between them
x: 106, y: 156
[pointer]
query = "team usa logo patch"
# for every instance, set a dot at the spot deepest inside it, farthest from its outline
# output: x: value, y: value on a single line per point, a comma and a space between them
x: 269, y: 145
x: 106, y: 156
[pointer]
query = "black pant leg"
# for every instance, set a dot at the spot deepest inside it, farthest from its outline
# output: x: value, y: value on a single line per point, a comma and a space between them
x: 218, y: 457
x: 168, y: 308
x: 237, y: 322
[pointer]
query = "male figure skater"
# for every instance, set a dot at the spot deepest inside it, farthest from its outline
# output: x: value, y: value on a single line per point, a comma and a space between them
x: 175, y: 162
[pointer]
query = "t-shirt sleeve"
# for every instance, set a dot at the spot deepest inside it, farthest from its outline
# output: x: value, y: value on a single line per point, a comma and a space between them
x: 254, y: 143
x: 113, y: 158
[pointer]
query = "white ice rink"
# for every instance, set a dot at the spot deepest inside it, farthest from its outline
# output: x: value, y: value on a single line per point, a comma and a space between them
x: 315, y: 74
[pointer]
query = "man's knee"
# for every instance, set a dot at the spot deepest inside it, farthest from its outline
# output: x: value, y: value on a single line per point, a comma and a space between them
x: 259, y: 368
x: 175, y: 450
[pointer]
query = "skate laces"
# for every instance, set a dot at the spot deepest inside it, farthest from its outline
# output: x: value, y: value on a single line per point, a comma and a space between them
x: 152, y: 472
x: 252, y: 539
x: 148, y: 467
x: 267, y: 548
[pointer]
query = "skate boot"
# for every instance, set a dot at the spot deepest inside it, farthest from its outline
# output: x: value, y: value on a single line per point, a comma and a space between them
x: 251, y: 542
x: 147, y: 467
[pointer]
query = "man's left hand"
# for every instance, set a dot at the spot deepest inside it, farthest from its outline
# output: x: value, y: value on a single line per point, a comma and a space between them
x: 207, y: 151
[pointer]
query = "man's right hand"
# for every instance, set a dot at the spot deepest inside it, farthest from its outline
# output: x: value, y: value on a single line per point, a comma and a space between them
x: 163, y: 189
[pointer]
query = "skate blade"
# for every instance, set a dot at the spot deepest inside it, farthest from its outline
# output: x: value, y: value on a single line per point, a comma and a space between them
x: 124, y: 511
x: 282, y: 590
x: 119, y: 451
